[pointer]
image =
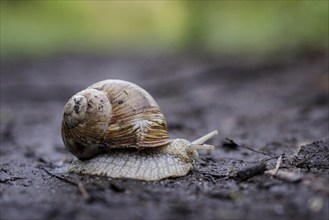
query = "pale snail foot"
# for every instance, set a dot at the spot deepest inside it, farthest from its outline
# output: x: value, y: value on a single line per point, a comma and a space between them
x: 173, y: 160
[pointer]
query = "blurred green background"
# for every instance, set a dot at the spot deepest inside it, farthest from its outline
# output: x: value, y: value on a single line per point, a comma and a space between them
x: 223, y: 27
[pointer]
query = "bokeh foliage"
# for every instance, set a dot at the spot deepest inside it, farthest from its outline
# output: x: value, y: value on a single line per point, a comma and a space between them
x: 233, y: 27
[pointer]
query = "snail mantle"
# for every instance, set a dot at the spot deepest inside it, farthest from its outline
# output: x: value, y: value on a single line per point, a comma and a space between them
x: 115, y: 128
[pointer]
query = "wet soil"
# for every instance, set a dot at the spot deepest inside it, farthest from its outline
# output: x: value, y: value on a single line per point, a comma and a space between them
x: 263, y: 109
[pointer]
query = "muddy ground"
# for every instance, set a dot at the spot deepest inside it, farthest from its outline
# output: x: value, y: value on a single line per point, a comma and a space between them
x: 263, y: 108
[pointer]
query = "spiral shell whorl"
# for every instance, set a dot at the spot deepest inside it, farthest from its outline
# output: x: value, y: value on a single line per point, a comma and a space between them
x: 85, y: 122
x: 75, y: 111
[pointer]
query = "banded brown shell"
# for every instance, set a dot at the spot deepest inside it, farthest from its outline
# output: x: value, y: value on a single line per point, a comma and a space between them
x: 112, y: 114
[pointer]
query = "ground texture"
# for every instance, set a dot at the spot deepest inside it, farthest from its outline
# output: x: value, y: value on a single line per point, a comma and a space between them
x: 266, y: 110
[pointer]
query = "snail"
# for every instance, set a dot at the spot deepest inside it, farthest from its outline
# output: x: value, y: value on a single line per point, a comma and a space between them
x: 115, y: 128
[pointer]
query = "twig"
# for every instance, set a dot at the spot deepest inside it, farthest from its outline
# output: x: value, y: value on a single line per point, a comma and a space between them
x: 11, y: 179
x: 246, y: 147
x: 278, y: 164
x: 60, y: 178
x: 310, y: 157
x: 250, y: 171
x: 77, y: 183
x: 285, y: 175
x: 267, y: 159
x: 83, y: 191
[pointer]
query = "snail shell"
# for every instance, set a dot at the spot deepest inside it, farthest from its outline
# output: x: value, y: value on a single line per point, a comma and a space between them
x: 116, y: 129
x: 112, y: 114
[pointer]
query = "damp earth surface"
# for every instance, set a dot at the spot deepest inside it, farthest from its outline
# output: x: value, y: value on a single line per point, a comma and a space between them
x: 271, y: 156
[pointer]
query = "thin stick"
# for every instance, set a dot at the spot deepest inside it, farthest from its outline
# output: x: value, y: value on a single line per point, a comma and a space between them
x: 77, y: 183
x: 250, y: 171
x: 83, y: 190
x: 278, y: 164
x: 249, y: 148
x: 60, y: 178
x: 204, y: 138
x: 285, y: 175
x: 310, y: 157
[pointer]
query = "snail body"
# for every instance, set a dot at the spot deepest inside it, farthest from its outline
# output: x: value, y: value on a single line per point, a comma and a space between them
x: 115, y: 128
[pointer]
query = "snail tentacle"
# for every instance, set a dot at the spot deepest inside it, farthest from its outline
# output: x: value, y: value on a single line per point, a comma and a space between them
x: 205, y: 137
x: 197, y: 147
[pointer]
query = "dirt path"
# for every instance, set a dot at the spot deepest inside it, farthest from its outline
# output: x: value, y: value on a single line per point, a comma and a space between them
x: 275, y: 107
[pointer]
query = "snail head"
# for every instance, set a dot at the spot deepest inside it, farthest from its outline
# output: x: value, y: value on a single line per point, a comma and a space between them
x: 199, y: 144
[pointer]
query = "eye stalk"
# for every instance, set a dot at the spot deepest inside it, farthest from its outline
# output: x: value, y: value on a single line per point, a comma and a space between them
x: 199, y: 143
